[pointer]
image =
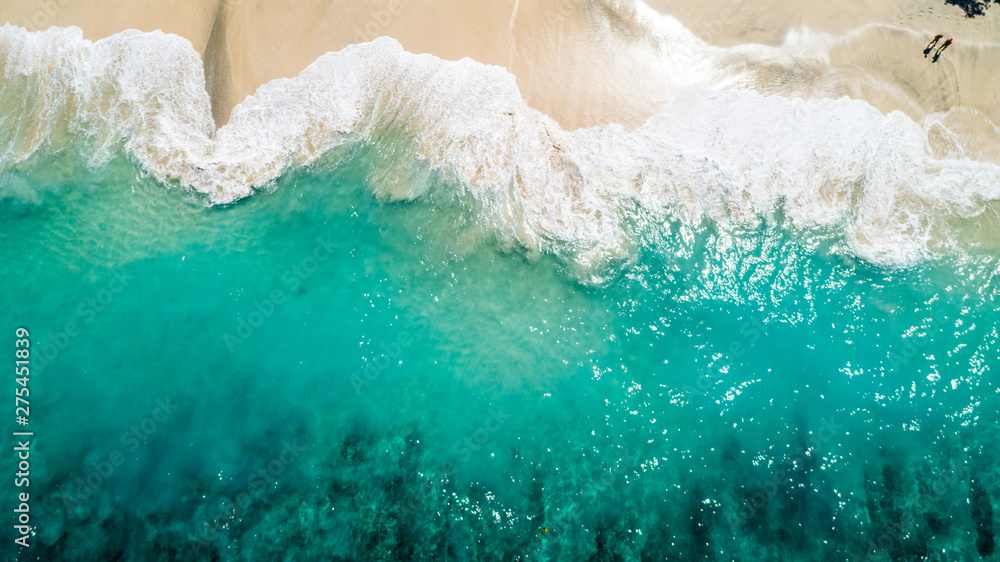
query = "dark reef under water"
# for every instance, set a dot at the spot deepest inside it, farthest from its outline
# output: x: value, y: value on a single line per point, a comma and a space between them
x: 396, y: 387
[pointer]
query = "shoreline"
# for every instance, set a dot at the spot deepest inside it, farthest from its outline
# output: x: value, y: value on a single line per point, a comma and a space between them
x: 245, y: 44
x: 587, y: 64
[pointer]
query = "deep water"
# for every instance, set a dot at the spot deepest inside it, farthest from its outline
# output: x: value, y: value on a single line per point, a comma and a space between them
x: 317, y: 374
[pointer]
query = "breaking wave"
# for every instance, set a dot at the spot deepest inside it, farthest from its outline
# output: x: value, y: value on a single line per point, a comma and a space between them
x: 731, y: 157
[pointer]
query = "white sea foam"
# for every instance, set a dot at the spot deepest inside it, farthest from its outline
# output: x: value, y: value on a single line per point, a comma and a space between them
x: 730, y: 157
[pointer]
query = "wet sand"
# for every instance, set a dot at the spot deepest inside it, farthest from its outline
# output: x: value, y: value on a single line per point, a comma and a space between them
x: 588, y: 62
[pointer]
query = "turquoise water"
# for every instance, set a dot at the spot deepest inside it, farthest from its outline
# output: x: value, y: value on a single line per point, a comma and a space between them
x: 314, y: 373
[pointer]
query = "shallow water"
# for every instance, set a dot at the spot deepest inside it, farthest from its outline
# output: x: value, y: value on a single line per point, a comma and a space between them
x: 392, y: 312
x: 314, y: 373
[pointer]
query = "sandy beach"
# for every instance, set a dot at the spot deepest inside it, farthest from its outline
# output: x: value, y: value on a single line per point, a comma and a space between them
x: 246, y: 43
x: 586, y: 63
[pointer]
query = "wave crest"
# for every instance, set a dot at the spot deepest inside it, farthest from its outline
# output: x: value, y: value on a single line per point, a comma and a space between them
x: 731, y: 157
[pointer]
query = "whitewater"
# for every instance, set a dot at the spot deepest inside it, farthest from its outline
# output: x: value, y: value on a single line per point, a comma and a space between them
x: 879, y: 183
x: 647, y: 291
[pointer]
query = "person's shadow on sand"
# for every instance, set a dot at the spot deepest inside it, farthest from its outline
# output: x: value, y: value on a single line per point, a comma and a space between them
x: 940, y: 49
x: 935, y: 57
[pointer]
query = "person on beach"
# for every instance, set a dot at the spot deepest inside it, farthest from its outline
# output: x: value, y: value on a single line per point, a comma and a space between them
x: 942, y: 48
x: 932, y: 43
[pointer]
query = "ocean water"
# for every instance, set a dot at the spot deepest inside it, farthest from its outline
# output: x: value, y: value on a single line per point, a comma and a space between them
x: 395, y: 337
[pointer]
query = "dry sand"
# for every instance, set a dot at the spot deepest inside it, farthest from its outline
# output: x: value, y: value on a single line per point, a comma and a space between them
x: 731, y: 22
x: 586, y: 62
